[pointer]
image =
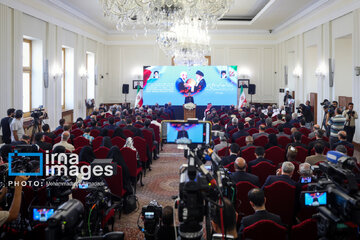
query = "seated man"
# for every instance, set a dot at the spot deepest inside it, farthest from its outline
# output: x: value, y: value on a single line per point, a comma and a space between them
x: 288, y: 123
x: 167, y: 228
x: 111, y: 125
x: 343, y: 140
x: 234, y: 151
x: 240, y: 174
x: 137, y: 132
x: 297, y: 141
x: 306, y: 174
x: 249, y: 143
x: 278, y: 121
x: 257, y: 201
x: 139, y: 121
x: 319, y: 134
x: 47, y: 132
x: 281, y: 133
x: 87, y: 135
x: 61, y: 124
x: 259, y: 153
x: 241, y: 132
x: 64, y: 138
x: 223, y: 143
x: 40, y: 142
x: 24, y: 140
x: 262, y: 132
x: 216, y: 126
x: 319, y: 155
x: 283, y: 174
x: 229, y: 216
x: 316, y: 127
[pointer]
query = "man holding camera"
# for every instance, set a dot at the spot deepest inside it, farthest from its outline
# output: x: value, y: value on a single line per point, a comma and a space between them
x: 336, y: 124
x: 350, y: 116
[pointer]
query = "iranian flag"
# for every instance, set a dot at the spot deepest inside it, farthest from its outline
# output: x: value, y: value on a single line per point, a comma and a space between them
x: 139, y: 97
x: 242, y: 99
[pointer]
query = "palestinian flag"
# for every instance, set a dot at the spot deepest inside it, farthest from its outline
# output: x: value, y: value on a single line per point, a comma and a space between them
x: 139, y: 97
x: 242, y: 100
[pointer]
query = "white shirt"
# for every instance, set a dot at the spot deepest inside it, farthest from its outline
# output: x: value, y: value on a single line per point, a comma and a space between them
x: 17, y: 125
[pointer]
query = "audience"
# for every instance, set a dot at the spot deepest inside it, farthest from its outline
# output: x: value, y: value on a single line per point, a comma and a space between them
x: 40, y: 142
x: 316, y: 128
x: 283, y: 174
x: 229, y: 216
x: 297, y: 141
x: 342, y: 136
x: 61, y: 124
x: 87, y: 135
x: 223, y: 143
x: 257, y: 201
x: 47, y: 132
x: 234, y: 152
x: 281, y: 133
x: 306, y: 174
x: 336, y: 124
x: 272, y: 141
x: 262, y: 132
x: 319, y: 155
x: 278, y: 120
x: 319, y: 135
x: 240, y: 174
x: 241, y: 132
x: 249, y: 143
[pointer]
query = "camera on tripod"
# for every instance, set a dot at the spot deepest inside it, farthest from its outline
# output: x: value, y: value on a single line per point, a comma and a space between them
x: 151, y: 215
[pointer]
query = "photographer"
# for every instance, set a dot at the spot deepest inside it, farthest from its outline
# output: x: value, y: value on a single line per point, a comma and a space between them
x: 167, y: 229
x: 17, y: 126
x: 5, y: 125
x: 228, y: 220
x: 12, y: 214
x: 350, y: 116
x: 307, y: 115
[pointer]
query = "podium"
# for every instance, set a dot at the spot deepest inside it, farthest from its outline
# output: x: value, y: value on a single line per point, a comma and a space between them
x: 189, y: 113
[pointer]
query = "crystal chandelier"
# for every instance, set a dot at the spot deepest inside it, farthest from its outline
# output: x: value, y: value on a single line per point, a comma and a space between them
x: 181, y: 26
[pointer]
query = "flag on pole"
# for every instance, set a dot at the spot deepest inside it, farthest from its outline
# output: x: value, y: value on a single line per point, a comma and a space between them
x: 139, y: 97
x: 242, y: 99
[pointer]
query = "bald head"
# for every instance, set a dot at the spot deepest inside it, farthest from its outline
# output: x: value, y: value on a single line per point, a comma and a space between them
x: 65, y: 136
x: 342, y: 135
x: 249, y: 140
x: 316, y: 127
x: 240, y: 164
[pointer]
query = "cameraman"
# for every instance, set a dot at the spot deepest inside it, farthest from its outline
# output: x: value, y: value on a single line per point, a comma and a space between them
x: 336, y: 124
x: 350, y: 116
x: 12, y: 214
x: 229, y: 217
x: 307, y: 115
x: 167, y: 229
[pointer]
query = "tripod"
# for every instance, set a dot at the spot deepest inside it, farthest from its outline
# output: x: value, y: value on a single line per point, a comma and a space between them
x: 36, y: 127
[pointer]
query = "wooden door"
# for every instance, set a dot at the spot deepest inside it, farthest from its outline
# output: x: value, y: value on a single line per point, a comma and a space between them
x: 314, y: 104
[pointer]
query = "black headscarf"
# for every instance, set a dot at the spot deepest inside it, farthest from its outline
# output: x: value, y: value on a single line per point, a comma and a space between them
x: 119, y: 133
x: 5, y: 150
x: 115, y: 154
x: 59, y: 149
x: 106, y: 142
x: 104, y: 132
x: 86, y: 154
x: 272, y: 141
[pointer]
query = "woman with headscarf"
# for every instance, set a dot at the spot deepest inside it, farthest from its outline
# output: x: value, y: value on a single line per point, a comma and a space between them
x: 115, y: 154
x: 272, y: 141
x: 106, y: 142
x: 86, y: 154
x: 130, y: 144
x: 119, y: 133
x: 59, y: 149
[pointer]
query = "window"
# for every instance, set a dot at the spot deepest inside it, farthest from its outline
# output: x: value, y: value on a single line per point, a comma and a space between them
x: 27, y: 65
x: 90, y: 69
x: 63, y: 57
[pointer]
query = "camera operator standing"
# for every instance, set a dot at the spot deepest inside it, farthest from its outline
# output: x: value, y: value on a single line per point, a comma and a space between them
x: 350, y: 116
x: 17, y: 126
x: 307, y: 115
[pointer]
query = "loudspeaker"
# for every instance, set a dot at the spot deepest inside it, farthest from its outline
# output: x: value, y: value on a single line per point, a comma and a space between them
x: 252, y: 89
x: 125, y: 89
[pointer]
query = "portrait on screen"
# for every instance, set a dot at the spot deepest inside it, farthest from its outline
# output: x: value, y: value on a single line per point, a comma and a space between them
x: 244, y: 83
x: 137, y: 83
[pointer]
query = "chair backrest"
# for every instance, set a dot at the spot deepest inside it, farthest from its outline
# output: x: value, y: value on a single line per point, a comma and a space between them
x: 216, y: 141
x: 284, y: 141
x: 118, y: 141
x: 265, y: 229
x: 232, y: 132
x: 296, y: 175
x: 96, y: 143
x: 58, y: 132
x: 263, y: 170
x: 287, y: 131
x: 48, y: 139
x: 57, y: 139
x: 77, y: 150
x: 296, y: 125
x: 241, y: 141
x: 115, y: 182
x: 101, y: 152
x: 242, y: 201
x: 148, y: 138
x: 304, y: 131
x: 305, y: 230
x: 280, y: 199
x: 94, y: 133
x: 140, y: 145
x: 230, y: 167
x: 77, y: 132
x: 350, y: 151
x: 128, y: 133
x: 301, y: 154
x: 80, y: 141
x: 271, y: 130
x: 305, y: 140
x: 129, y: 156
x: 110, y: 132
x: 253, y: 131
x: 138, y: 126
x: 156, y: 131
x: 223, y: 152
x: 248, y: 154
x: 261, y: 141
x: 275, y: 154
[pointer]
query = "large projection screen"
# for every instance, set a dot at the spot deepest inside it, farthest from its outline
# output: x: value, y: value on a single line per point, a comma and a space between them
x: 206, y: 84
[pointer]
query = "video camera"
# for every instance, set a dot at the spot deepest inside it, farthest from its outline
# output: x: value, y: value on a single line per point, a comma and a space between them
x: 337, y: 197
x: 151, y: 215
x: 38, y: 112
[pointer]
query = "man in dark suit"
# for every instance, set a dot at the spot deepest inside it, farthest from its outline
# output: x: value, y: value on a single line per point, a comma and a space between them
x: 287, y: 123
x: 257, y: 201
x: 189, y: 99
x: 297, y: 141
x: 241, y: 132
x: 138, y: 121
x: 111, y: 125
x: 283, y: 174
x: 259, y: 153
x: 249, y: 143
x: 137, y: 132
x: 240, y: 174
x: 319, y: 134
x: 5, y: 125
x: 343, y: 140
x: 39, y: 141
x: 216, y: 126
x: 182, y: 133
x: 234, y: 151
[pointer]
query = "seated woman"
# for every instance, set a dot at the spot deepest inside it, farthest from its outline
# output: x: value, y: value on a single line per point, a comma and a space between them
x: 272, y: 141
x: 119, y: 133
x: 86, y: 154
x: 115, y: 154
x: 106, y: 142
